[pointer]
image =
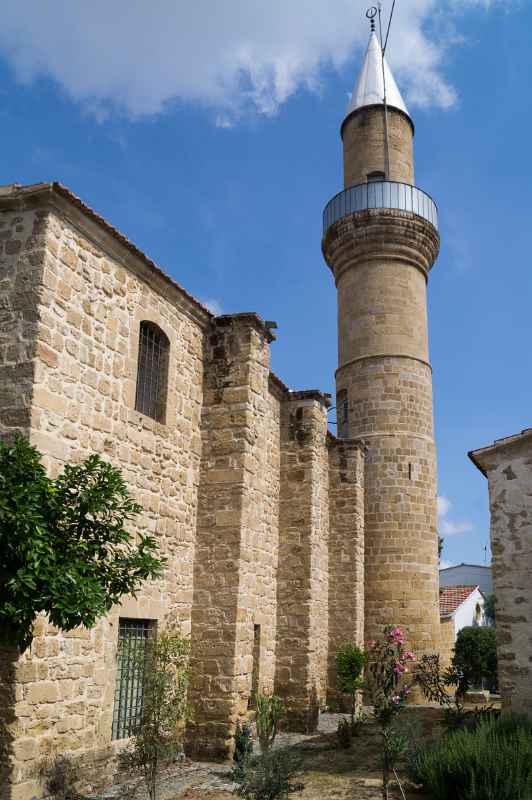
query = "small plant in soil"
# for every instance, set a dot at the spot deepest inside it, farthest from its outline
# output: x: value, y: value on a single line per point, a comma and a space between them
x: 268, y: 777
x: 157, y: 740
x: 350, y: 661
x: 385, y: 683
x: 243, y: 750
x: 270, y: 711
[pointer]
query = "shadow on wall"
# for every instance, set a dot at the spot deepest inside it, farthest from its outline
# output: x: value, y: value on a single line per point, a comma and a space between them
x: 8, y: 659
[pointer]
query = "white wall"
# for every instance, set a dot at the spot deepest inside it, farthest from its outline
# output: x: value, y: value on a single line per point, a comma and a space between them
x: 466, y: 614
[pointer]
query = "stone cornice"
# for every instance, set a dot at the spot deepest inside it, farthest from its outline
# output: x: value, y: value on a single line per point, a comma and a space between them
x: 481, y: 457
x: 380, y: 234
x: 249, y: 318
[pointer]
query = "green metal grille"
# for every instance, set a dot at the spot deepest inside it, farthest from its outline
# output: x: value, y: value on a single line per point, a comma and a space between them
x: 133, y: 639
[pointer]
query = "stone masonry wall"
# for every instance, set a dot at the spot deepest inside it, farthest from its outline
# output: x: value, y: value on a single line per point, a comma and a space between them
x: 380, y: 259
x: 302, y: 590
x: 364, y: 146
x: 92, y: 297
x: 237, y: 539
x: 508, y: 466
x: 346, y: 551
x: 22, y: 245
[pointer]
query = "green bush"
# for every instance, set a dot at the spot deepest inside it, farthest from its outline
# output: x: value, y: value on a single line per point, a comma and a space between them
x: 350, y: 661
x: 270, y: 711
x: 268, y: 776
x: 492, y: 762
x: 64, y: 545
x: 475, y: 658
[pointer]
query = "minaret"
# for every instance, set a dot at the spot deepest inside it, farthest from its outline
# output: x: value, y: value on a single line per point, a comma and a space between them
x: 380, y: 241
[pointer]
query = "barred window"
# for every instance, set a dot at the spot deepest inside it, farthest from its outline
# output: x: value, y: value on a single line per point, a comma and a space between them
x: 152, y: 371
x: 133, y: 640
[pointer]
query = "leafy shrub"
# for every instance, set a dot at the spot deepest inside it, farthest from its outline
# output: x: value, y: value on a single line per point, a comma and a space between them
x: 475, y: 658
x: 243, y: 751
x: 387, y: 689
x: 64, y: 546
x: 435, y: 682
x: 157, y: 739
x: 344, y: 733
x: 269, y: 712
x: 268, y: 776
x: 492, y: 762
x: 489, y: 608
x: 243, y: 742
x: 350, y: 661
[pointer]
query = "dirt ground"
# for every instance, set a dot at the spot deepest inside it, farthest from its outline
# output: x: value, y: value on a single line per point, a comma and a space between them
x: 326, y: 771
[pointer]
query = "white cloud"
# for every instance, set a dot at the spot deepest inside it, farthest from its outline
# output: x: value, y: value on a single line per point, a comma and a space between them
x: 233, y: 57
x: 443, y: 504
x: 213, y: 305
x: 447, y: 527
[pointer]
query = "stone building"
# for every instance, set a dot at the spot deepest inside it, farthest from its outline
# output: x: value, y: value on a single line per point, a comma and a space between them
x: 507, y: 464
x: 260, y: 511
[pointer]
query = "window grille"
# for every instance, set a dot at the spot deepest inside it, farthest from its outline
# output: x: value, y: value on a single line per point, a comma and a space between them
x: 152, y: 371
x: 133, y: 639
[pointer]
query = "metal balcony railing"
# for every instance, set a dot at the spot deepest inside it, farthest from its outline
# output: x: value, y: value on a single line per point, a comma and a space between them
x: 380, y: 194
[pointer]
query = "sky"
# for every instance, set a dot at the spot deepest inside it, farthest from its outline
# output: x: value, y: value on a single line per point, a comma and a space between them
x: 208, y: 133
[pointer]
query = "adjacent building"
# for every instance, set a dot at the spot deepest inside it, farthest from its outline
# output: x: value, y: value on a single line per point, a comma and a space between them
x: 468, y: 575
x: 507, y: 464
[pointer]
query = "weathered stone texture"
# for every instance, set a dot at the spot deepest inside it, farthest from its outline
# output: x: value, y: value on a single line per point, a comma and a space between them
x: 364, y: 146
x: 22, y: 245
x: 85, y: 328
x: 237, y: 535
x: 302, y: 591
x: 380, y: 260
x: 235, y: 487
x: 508, y: 467
x: 346, y: 551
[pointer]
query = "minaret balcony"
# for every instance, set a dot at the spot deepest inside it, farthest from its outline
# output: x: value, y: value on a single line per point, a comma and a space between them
x: 380, y: 194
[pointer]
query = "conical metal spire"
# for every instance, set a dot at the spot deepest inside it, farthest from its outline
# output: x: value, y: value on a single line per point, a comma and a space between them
x: 369, y: 90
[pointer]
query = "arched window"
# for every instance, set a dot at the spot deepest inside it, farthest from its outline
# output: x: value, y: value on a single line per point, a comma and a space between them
x: 375, y: 177
x: 152, y: 371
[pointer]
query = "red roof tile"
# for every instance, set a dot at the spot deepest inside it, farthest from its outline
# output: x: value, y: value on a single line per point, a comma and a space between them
x: 453, y: 596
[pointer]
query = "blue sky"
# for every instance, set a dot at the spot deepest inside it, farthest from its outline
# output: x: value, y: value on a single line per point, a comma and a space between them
x: 212, y: 140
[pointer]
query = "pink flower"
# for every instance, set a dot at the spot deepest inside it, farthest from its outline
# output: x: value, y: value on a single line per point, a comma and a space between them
x: 396, y: 699
x: 398, y: 668
x: 408, y: 655
x: 396, y: 635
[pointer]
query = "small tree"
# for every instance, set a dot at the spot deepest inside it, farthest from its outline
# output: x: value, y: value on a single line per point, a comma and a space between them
x: 64, y: 548
x: 269, y: 712
x: 475, y: 658
x: 387, y: 689
x: 489, y: 608
x: 158, y: 738
x: 350, y: 662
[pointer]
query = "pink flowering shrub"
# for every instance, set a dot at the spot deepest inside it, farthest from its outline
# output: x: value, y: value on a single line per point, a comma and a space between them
x: 387, y: 685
